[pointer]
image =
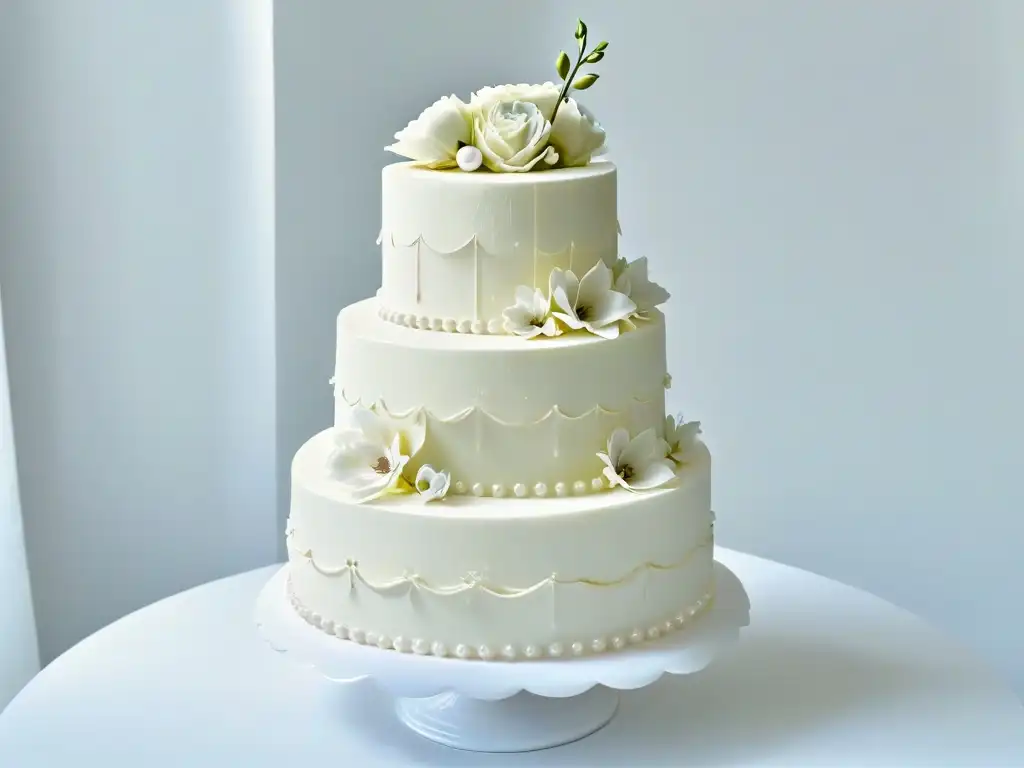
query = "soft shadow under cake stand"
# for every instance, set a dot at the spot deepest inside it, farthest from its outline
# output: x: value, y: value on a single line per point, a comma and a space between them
x: 494, y: 706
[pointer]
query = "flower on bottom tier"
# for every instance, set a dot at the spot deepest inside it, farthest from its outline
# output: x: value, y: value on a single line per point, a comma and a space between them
x: 590, y: 302
x: 630, y: 278
x: 637, y: 464
x: 432, y: 485
x: 680, y: 438
x: 530, y: 316
x: 371, y: 453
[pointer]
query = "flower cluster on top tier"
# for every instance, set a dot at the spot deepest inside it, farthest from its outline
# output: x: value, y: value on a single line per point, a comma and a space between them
x: 601, y: 302
x: 511, y: 128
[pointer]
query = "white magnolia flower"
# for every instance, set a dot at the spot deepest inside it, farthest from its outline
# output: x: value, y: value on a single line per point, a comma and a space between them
x: 371, y: 453
x: 545, y: 96
x: 530, y: 316
x: 680, y: 438
x: 631, y: 279
x: 636, y: 464
x: 589, y: 303
x: 576, y: 135
x: 436, y: 135
x: 513, y: 136
x: 431, y: 484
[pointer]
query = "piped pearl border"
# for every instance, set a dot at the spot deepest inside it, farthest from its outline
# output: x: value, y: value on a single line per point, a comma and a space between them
x: 495, y: 326
x: 522, y: 490
x: 509, y: 652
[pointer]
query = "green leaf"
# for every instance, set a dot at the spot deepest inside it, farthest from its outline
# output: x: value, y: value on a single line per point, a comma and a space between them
x: 562, y: 64
x: 581, y: 29
x: 582, y: 83
x: 600, y: 46
x: 593, y: 58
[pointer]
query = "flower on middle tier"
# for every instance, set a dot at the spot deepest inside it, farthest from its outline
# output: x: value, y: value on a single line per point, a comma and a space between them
x: 630, y: 278
x: 637, y: 464
x: 530, y: 316
x: 589, y: 303
x: 370, y: 454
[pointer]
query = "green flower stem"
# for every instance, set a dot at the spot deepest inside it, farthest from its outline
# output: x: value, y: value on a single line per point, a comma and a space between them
x: 564, y: 93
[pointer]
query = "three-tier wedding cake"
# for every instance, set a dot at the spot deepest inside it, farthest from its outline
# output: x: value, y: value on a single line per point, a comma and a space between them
x: 501, y: 481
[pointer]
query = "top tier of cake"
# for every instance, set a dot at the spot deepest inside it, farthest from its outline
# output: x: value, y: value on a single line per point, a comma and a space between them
x: 456, y: 245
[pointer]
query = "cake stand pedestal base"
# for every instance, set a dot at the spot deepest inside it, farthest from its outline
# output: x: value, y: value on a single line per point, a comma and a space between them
x: 521, y: 723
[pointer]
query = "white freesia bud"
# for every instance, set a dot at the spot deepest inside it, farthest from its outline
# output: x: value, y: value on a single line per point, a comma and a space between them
x: 576, y: 135
x: 513, y: 136
x: 435, y: 136
x: 431, y: 484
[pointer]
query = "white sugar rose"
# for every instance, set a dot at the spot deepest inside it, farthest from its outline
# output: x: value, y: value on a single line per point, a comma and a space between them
x: 513, y: 137
x: 436, y: 135
x: 544, y: 96
x: 576, y: 135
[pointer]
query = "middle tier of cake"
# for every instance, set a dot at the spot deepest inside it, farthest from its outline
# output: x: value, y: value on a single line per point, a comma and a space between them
x: 504, y: 415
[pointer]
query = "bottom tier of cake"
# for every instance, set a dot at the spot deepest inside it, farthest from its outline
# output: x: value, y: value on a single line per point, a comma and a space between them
x: 493, y: 578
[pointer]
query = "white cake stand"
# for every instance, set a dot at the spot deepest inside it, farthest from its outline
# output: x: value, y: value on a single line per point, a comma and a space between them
x: 493, y: 706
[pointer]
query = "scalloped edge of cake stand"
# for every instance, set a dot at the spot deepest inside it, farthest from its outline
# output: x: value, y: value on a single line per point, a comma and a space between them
x: 497, y: 706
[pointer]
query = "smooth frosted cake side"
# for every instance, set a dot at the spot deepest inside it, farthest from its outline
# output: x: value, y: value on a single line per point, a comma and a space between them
x: 501, y: 481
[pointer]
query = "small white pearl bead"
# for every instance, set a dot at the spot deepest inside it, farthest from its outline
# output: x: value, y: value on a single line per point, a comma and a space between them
x: 679, y: 620
x: 579, y: 487
x: 327, y: 626
x: 478, y: 489
x: 597, y: 484
x: 478, y: 327
x: 420, y: 646
x: 561, y: 489
x: 439, y: 649
x: 618, y: 642
x: 509, y: 651
x: 692, y: 610
x: 576, y: 648
x: 636, y: 636
x: 462, y: 651
x: 495, y: 326
x: 384, y: 642
x: 532, y: 651
x: 315, y: 619
x: 464, y: 326
x: 357, y: 635
x: 666, y: 627
x: 410, y: 320
x: 469, y: 158
x: 401, y: 644
x: 448, y: 325
x: 540, y: 489
x: 555, y: 649
x: 653, y: 633
x: 498, y: 490
x: 341, y: 631
x: 520, y: 490
x: 371, y: 638
x: 599, y: 645
x: 423, y: 323
x: 484, y: 652
x: 435, y: 324
x: 460, y: 487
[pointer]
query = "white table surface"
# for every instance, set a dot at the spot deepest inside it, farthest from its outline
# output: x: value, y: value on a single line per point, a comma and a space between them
x: 824, y: 675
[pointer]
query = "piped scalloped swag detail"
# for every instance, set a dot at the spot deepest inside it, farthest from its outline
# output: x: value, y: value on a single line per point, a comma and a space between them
x: 603, y: 302
x: 511, y: 128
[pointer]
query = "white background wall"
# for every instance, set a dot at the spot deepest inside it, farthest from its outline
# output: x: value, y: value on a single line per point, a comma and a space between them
x: 136, y: 259
x: 832, y: 191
